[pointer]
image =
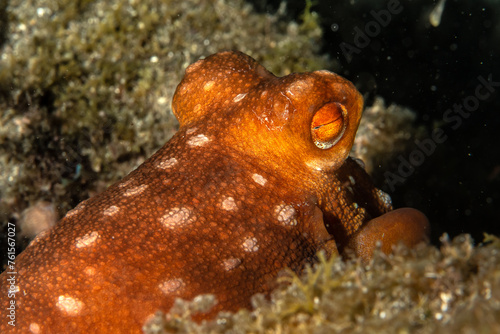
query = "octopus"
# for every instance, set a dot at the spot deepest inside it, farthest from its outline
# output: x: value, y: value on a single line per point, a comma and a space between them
x: 257, y: 179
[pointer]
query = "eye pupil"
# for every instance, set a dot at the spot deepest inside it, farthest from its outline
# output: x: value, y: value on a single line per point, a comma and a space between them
x: 328, y: 125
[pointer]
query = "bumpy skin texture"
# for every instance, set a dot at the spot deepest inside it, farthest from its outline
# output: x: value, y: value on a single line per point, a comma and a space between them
x: 239, y: 193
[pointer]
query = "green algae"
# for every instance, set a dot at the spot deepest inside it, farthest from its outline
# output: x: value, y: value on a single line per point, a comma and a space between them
x: 454, y: 289
x: 85, y: 86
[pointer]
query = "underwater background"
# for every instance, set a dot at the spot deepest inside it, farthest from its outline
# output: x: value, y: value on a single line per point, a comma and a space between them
x: 86, y: 87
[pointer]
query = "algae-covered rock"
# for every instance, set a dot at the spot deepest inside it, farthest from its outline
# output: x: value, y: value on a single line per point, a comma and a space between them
x: 384, y: 132
x: 454, y: 289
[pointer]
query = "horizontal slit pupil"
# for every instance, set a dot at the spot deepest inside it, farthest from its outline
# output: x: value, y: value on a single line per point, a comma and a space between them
x: 319, y: 126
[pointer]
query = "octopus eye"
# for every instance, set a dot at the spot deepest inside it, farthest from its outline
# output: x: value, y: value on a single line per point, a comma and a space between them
x: 328, y: 125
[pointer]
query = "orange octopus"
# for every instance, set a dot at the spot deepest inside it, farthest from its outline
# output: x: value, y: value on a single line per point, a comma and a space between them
x: 257, y: 179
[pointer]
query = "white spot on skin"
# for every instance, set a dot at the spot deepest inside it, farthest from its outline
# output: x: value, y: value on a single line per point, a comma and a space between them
x: 136, y: 190
x: 87, y: 240
x: 198, y: 140
x: 176, y: 217
x: 34, y: 328
x: 196, y: 110
x: 208, y: 86
x: 166, y: 164
x: 259, y: 179
x: 193, y: 67
x: 297, y: 89
x: 110, y: 211
x: 90, y: 271
x: 353, y: 181
x: 286, y: 214
x: 14, y: 289
x: 250, y: 245
x: 39, y: 237
x: 231, y: 263
x: 314, y: 164
x: 69, y: 305
x: 192, y: 130
x: 126, y: 183
x: 77, y: 209
x: 171, y: 285
x: 324, y: 72
x: 228, y: 204
x: 239, y: 97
